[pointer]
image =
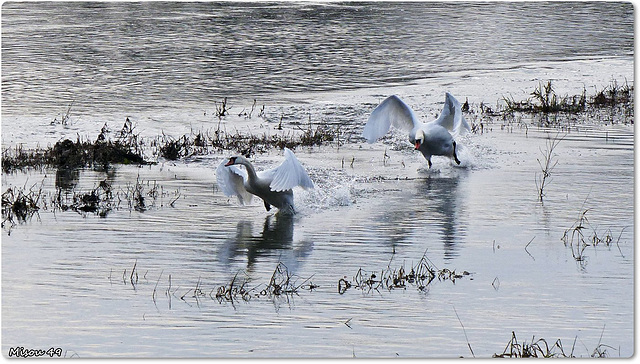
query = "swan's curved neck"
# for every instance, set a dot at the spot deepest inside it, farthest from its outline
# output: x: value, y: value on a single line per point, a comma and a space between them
x: 251, y: 172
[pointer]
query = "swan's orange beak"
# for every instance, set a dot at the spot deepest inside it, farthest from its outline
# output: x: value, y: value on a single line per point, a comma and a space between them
x: 417, y: 144
x: 231, y: 162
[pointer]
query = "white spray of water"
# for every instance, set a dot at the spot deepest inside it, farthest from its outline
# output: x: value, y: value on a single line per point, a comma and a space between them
x: 328, y: 193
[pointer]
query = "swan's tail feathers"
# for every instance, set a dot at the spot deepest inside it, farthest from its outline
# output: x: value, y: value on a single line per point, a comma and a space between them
x: 290, y: 174
x: 392, y: 111
x: 231, y: 182
x: 452, y: 118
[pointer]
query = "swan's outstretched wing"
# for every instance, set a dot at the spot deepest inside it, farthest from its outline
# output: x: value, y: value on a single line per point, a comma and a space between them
x: 289, y: 174
x: 231, y: 182
x: 391, y: 111
x: 451, y: 117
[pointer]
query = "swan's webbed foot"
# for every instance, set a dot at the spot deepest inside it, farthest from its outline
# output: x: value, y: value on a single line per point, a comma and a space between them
x: 267, y: 206
x: 429, y: 161
x: 455, y: 157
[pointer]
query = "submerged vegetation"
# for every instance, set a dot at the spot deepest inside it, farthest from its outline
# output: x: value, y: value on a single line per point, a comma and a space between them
x: 283, y: 284
x: 19, y: 204
x: 125, y: 146
x: 582, y: 235
x: 420, y: 276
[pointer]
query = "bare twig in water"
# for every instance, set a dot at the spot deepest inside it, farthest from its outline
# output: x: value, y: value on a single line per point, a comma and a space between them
x: 133, y: 271
x: 347, y: 323
x: 153, y: 295
x: 526, y: 246
x: 464, y: 331
x: 496, y: 283
x: 547, y: 164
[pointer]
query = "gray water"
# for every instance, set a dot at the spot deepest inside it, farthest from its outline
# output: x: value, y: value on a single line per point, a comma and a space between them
x: 66, y: 276
x: 114, y: 57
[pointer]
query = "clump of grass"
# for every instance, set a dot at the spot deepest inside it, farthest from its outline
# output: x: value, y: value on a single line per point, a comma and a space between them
x: 545, y: 100
x: 250, y: 144
x: 549, y: 101
x: 612, y: 95
x: 99, y: 200
x: 172, y: 149
x: 126, y: 148
x: 535, y: 349
x: 318, y: 136
x: 420, y: 275
x: 17, y: 158
x: 540, y: 348
x: 282, y: 282
x: 20, y: 204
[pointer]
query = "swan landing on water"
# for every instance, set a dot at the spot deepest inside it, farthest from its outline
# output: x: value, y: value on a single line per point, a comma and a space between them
x: 433, y: 138
x: 273, y: 186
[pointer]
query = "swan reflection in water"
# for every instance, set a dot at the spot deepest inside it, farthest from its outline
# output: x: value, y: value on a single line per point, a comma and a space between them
x: 276, y: 239
x: 443, y: 208
x: 435, y: 203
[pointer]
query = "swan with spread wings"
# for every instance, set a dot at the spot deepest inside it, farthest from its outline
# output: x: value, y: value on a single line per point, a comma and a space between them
x: 273, y: 186
x: 433, y: 138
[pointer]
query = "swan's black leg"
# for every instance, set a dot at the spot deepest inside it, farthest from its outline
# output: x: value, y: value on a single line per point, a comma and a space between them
x: 429, y: 161
x: 267, y: 206
x: 455, y: 157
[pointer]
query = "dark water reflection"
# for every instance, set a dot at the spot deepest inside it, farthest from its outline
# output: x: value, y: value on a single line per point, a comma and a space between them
x: 67, y: 178
x: 428, y: 215
x: 276, y: 238
x: 444, y: 208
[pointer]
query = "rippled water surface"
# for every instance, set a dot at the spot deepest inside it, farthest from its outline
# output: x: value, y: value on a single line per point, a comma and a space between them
x: 132, y: 56
x: 142, y: 282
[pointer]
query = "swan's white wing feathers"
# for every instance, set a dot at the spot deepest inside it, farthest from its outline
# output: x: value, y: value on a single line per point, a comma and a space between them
x: 231, y: 182
x: 392, y: 111
x: 289, y: 174
x: 451, y: 117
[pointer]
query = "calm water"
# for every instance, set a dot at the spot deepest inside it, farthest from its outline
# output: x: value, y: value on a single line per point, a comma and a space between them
x: 66, y: 276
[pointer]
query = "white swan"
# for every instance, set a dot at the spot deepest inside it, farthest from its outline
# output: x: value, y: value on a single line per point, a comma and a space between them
x: 433, y: 138
x: 273, y: 186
